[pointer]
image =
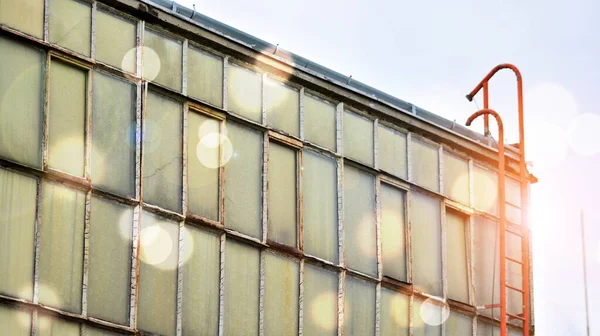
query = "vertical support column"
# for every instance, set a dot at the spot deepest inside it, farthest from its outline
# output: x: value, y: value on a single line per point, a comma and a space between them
x: 184, y: 57
x: 444, y: 254
x: 222, y: 286
x: 341, y: 301
x: 135, y: 266
x: 378, y: 309
x: 225, y: 82
x: 265, y: 188
x: 261, y: 295
x: 140, y: 50
x: 441, y: 168
x: 301, y: 300
x: 86, y: 251
x: 376, y: 144
x: 46, y: 20
x: 301, y: 113
x: 179, y: 308
x: 93, y: 26
x: 299, y: 200
x: 409, y: 156
x: 184, y: 159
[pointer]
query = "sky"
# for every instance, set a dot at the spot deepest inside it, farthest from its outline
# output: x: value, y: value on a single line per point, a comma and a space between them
x: 432, y: 53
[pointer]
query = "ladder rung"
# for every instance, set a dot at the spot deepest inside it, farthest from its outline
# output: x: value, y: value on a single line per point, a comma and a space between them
x: 514, y: 288
x: 514, y: 260
x: 515, y: 317
x: 514, y: 229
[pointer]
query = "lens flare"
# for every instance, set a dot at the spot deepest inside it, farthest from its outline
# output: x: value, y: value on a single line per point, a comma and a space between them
x: 156, y: 245
x: 398, y: 310
x: 434, y: 313
x: 321, y: 308
x: 214, y: 149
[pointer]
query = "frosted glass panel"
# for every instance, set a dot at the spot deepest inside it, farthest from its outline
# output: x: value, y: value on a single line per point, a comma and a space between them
x: 162, y: 60
x: 244, y: 92
x: 241, y: 289
x: 319, y: 122
x: 243, y: 181
x: 426, y: 243
x: 485, y: 329
x: 319, y: 183
x: 61, y: 248
x: 456, y: 178
x: 282, y: 286
x: 432, y: 326
x: 70, y: 24
x: 115, y: 41
x: 24, y: 15
x: 200, y: 282
x: 89, y: 331
x: 391, y: 148
x: 204, y: 146
x: 359, y: 311
x: 320, y: 314
x: 159, y: 241
x: 456, y: 252
x: 17, y: 226
x: 21, y: 89
x: 205, y: 76
x: 394, y: 313
x: 282, y: 195
x: 283, y: 107
x: 425, y: 165
x: 162, y: 163
x: 358, y: 138
x: 110, y: 261
x: 359, y: 220
x: 393, y: 226
x: 485, y: 185
x: 113, y: 136
x: 459, y: 325
x: 52, y: 326
x: 67, y: 117
x: 486, y: 251
x: 513, y: 192
x: 15, y: 322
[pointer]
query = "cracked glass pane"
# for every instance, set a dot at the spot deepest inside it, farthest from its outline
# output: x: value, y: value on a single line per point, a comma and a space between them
x: 115, y: 41
x: 70, y: 25
x: 162, y: 60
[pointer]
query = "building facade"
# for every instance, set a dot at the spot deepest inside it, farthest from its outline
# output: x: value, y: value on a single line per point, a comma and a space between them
x: 164, y: 174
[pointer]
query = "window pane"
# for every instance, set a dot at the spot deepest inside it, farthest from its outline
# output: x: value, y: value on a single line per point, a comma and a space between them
x: 113, y: 142
x: 282, y: 194
x: 89, y: 331
x: 110, y: 261
x: 162, y: 59
x: 204, y: 144
x: 162, y: 163
x: 283, y: 107
x: 320, y: 215
x: 358, y: 138
x: 282, y: 285
x: 456, y: 249
x: 394, y: 313
x: 15, y: 322
x: 432, y: 313
x: 241, y: 289
x: 319, y: 122
x: 359, y: 308
x: 359, y: 220
x: 243, y: 186
x: 52, y: 326
x: 157, y: 294
x: 486, y: 242
x: 70, y: 24
x: 391, y: 148
x: 24, y: 15
x: 244, y: 92
x: 201, y: 274
x: 425, y: 165
x: 459, y: 325
x: 426, y: 243
x: 205, y: 76
x: 17, y: 226
x: 21, y: 103
x: 67, y: 117
x: 320, y: 316
x: 393, y: 241
x: 513, y: 191
x: 485, y: 190
x: 456, y: 178
x: 115, y: 37
x: 61, y: 247
x: 485, y: 329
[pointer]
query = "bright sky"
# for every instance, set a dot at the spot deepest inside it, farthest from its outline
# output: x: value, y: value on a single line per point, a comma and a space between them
x: 432, y: 53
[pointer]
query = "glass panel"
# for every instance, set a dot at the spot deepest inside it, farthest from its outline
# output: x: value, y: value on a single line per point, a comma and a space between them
x: 319, y: 122
x: 201, y: 256
x: 70, y: 24
x: 459, y: 325
x: 241, y: 289
x: 456, y: 178
x: 21, y: 104
x: 427, y: 319
x: 244, y: 92
x: 15, y: 322
x: 426, y: 243
x: 115, y: 41
x: 391, y: 148
x: 205, y: 76
x: 61, y: 247
x: 320, y: 215
x: 67, y: 117
x: 359, y: 310
x: 113, y: 135
x: 282, y: 286
x: 24, y: 15
x: 110, y: 261
x: 485, y: 329
x: 487, y: 286
x: 162, y: 60
x: 162, y: 163
x: 456, y: 249
x: 485, y: 190
x: 159, y: 245
x: 17, y: 227
x: 394, y: 313
x: 425, y: 165
x: 89, y: 331
x: 204, y: 144
x: 282, y: 195
x: 283, y: 107
x: 359, y: 220
x: 320, y: 316
x: 513, y: 191
x: 243, y: 184
x: 51, y: 326
x: 393, y: 241
x: 358, y: 138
